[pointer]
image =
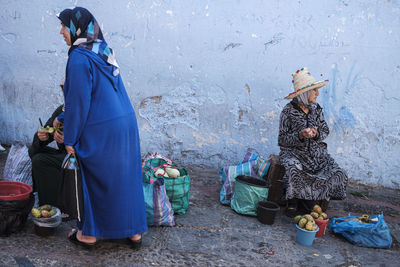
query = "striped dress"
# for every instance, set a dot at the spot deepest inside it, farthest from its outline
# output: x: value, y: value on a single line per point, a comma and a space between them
x: 310, y: 172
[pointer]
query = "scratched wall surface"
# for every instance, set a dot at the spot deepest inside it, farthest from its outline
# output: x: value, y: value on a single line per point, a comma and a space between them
x: 207, y: 78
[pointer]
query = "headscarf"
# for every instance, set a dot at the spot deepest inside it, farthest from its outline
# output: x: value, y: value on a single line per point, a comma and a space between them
x: 85, y: 33
x: 302, y: 99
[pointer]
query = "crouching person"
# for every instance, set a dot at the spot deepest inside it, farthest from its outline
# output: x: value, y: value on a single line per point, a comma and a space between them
x: 47, y: 160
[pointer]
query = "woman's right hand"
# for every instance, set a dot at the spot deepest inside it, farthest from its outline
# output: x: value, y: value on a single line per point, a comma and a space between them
x: 70, y: 149
x: 43, y: 135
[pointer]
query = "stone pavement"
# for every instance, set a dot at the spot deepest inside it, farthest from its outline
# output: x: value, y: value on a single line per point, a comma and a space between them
x: 211, y: 234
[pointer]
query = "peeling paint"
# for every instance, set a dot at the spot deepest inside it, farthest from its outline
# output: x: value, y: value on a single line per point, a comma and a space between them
x: 247, y: 88
x: 216, y: 94
x: 201, y: 140
x: 178, y: 106
x: 146, y: 127
x: 154, y: 99
x: 240, y: 114
x: 270, y: 115
x: 233, y: 141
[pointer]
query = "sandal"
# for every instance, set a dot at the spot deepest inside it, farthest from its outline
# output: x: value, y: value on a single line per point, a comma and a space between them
x: 291, y: 208
x: 291, y: 212
x: 308, y: 205
x: 74, y: 239
x: 135, y: 244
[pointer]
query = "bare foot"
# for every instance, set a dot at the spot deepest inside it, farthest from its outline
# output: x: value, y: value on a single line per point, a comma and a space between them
x: 136, y: 238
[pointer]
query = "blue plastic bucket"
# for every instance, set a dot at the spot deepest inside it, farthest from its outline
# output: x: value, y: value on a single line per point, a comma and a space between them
x: 305, y: 237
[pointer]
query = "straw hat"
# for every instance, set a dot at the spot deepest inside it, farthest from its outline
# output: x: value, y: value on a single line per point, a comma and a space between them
x: 303, y: 82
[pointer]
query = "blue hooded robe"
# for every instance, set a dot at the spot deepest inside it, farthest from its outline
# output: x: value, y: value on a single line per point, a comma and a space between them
x: 100, y: 123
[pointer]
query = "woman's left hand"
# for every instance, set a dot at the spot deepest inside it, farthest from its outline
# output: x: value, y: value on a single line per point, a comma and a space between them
x: 314, y: 132
x: 70, y: 149
x: 56, y: 123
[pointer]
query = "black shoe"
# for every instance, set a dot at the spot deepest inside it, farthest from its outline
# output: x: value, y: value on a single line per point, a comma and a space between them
x: 73, y: 238
x: 290, y: 212
x: 135, y: 244
x: 291, y: 208
x: 324, y: 204
x: 307, y: 205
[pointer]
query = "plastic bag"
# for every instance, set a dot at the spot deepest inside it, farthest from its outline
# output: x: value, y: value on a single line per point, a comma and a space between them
x: 178, y: 191
x: 155, y: 156
x: 177, y: 188
x: 248, y: 166
x: 159, y: 211
x: 71, y: 192
x: 263, y: 168
x: 373, y: 235
x: 248, y: 191
x: 53, y: 221
x: 18, y: 165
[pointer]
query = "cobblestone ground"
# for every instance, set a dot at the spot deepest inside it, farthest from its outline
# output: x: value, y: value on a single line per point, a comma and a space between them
x: 210, y: 234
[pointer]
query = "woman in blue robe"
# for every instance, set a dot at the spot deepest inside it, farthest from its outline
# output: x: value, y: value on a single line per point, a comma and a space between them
x: 100, y: 127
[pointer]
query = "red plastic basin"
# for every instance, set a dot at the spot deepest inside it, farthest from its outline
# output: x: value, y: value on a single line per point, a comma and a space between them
x: 11, y: 190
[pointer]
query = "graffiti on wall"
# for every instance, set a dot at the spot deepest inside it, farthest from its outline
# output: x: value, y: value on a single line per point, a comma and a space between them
x: 334, y: 101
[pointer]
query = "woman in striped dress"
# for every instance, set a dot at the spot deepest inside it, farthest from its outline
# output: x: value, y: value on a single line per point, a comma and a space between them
x: 310, y: 172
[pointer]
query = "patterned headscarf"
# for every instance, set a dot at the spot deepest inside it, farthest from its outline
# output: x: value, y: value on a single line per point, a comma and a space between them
x: 86, y: 33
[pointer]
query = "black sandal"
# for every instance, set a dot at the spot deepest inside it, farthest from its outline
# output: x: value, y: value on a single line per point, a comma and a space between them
x: 290, y: 212
x: 291, y: 208
x: 74, y: 239
x: 135, y: 244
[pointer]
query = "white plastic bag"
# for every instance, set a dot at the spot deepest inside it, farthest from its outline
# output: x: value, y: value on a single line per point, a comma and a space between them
x: 18, y: 165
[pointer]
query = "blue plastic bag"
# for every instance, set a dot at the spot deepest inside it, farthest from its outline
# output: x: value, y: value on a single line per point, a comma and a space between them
x: 373, y: 235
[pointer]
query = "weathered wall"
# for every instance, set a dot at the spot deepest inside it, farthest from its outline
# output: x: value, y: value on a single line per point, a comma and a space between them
x: 207, y: 78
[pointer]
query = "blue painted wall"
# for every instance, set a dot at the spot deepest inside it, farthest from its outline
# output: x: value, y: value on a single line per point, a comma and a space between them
x: 207, y: 78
